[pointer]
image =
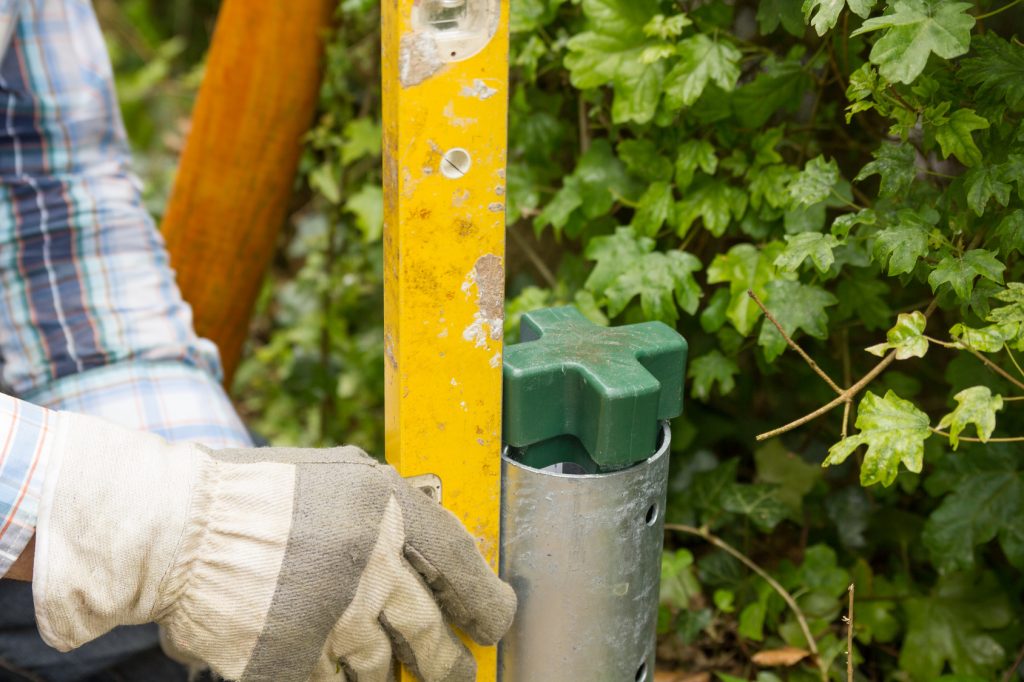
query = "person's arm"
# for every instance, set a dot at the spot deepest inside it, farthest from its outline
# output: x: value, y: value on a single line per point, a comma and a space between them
x: 21, y: 569
x: 91, y: 320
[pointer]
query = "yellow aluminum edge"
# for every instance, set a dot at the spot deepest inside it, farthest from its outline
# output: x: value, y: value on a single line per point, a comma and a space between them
x: 445, y: 137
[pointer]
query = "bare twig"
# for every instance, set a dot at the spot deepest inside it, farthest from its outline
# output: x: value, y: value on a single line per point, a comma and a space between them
x: 535, y: 259
x: 970, y: 439
x: 849, y: 637
x: 713, y: 539
x: 792, y: 344
x: 1008, y: 675
x: 996, y: 368
x: 848, y: 394
x: 1013, y: 359
x: 845, y: 396
x: 584, y: 123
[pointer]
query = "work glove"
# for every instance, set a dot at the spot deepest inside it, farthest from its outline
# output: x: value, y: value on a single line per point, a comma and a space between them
x: 275, y: 565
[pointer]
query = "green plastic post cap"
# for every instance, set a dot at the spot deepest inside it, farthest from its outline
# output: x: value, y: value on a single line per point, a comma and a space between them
x: 607, y: 386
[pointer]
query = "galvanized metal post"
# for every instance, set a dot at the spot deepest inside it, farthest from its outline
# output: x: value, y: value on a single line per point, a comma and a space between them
x: 584, y: 480
x: 445, y: 89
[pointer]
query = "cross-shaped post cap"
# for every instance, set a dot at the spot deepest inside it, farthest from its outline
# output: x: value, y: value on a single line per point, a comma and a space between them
x: 607, y: 386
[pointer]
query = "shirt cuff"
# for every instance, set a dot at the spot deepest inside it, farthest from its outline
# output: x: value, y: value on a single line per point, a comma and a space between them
x: 28, y: 434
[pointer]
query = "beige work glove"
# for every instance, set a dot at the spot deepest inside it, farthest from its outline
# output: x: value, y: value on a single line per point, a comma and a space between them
x: 275, y: 565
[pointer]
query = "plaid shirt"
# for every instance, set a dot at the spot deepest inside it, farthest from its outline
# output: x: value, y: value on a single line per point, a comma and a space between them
x: 90, y: 317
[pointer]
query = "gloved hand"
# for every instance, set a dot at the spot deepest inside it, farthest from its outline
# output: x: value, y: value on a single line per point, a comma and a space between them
x: 277, y: 565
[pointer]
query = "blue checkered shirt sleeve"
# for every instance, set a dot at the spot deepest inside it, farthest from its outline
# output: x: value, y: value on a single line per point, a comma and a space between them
x: 91, y: 319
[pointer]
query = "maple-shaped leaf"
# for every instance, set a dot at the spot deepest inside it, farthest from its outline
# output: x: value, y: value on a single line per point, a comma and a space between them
x: 702, y: 60
x: 1012, y: 315
x: 895, y: 165
x: 906, y: 337
x: 952, y: 624
x: 714, y: 201
x: 823, y: 14
x: 1010, y: 233
x: 903, y: 244
x: 986, y: 502
x: 610, y: 53
x: 744, y: 267
x: 758, y: 501
x: 644, y: 159
x: 960, y: 272
x: 795, y: 306
x: 975, y: 405
x: 710, y: 369
x: 914, y: 29
x: 694, y: 154
x: 954, y: 136
x: 653, y: 209
x: 628, y: 267
x: 894, y: 431
x: 815, y: 182
x: 984, y: 183
x: 814, y: 245
x: 996, y: 68
x: 990, y: 339
x: 772, y: 13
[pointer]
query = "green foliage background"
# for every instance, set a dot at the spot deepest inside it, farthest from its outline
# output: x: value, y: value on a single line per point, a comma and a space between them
x: 858, y: 165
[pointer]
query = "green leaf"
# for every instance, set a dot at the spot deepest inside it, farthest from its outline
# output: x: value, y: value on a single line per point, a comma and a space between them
x: 795, y: 306
x: 975, y: 405
x: 758, y: 502
x: 771, y: 13
x: 678, y: 581
x: 599, y: 177
x: 984, y: 183
x: 990, y: 339
x: 744, y: 267
x: 694, y: 154
x: 950, y: 626
x: 814, y: 245
x: 715, y: 202
x: 986, y: 503
x: 707, y: 370
x: 611, y: 54
x: 794, y: 477
x: 751, y: 624
x: 960, y: 273
x: 702, y: 60
x: 902, y: 244
x: 324, y: 180
x: 362, y: 138
x: 628, y: 267
x: 914, y: 29
x: 367, y: 204
x: 781, y: 85
x: 1013, y: 313
x: 906, y: 337
x: 644, y: 160
x: 653, y: 209
x: 826, y: 12
x: 866, y: 298
x: 1010, y: 232
x: 895, y: 165
x: 995, y: 68
x: 815, y: 182
x: 664, y: 27
x: 894, y: 431
x: 954, y: 136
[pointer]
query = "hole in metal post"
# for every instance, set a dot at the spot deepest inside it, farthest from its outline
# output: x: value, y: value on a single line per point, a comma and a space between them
x: 641, y: 673
x: 455, y: 163
x: 652, y: 515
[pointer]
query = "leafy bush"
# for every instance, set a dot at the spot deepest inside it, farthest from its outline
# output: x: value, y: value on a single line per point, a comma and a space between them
x: 859, y: 167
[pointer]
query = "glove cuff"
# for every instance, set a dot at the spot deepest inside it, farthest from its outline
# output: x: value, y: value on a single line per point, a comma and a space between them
x: 113, y: 513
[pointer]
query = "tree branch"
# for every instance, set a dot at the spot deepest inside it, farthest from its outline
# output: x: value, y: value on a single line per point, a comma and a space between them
x: 995, y: 368
x: 969, y: 439
x: 749, y: 563
x: 792, y: 344
x: 845, y: 396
